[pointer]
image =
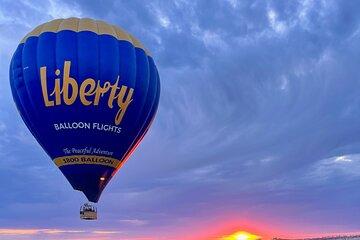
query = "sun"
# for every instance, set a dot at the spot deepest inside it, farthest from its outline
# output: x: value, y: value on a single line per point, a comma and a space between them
x: 241, y: 235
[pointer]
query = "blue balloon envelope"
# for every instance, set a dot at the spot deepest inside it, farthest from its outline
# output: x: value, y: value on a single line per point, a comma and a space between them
x: 88, y: 92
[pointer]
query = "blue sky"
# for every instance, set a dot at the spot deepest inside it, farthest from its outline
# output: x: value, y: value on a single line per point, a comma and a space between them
x: 258, y: 124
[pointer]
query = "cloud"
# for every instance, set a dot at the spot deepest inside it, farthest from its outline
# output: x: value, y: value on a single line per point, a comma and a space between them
x: 105, y: 232
x: 31, y: 233
x: 259, y: 116
x: 2, y: 127
x: 135, y: 222
x: 19, y: 231
x: 342, y: 159
x: 345, y: 166
x: 57, y: 9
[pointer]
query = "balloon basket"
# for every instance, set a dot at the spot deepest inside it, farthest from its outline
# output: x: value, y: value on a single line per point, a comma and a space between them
x: 88, y: 211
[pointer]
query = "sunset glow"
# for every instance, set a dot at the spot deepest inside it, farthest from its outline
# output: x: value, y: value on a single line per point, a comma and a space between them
x: 241, y: 235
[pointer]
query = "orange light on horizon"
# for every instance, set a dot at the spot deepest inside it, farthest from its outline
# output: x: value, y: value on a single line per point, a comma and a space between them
x: 241, y: 235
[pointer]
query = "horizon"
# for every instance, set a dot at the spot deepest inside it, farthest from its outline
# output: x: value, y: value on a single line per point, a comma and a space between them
x: 257, y: 128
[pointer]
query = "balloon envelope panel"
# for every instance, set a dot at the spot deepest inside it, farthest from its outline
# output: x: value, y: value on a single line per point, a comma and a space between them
x: 88, y: 92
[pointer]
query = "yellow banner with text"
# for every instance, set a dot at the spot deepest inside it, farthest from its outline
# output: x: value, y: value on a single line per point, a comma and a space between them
x: 86, y: 159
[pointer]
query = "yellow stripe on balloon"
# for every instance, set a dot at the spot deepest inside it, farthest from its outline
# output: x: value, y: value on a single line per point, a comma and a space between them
x: 85, y: 24
x: 86, y: 159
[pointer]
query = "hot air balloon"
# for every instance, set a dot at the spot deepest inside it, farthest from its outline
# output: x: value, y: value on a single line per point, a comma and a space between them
x: 88, y: 92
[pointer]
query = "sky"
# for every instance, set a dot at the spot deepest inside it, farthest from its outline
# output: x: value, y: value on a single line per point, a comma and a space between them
x: 258, y: 127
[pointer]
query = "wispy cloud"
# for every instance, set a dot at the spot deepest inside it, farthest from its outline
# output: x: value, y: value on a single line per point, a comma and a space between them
x: 105, y: 232
x: 135, y: 222
x: 31, y: 233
